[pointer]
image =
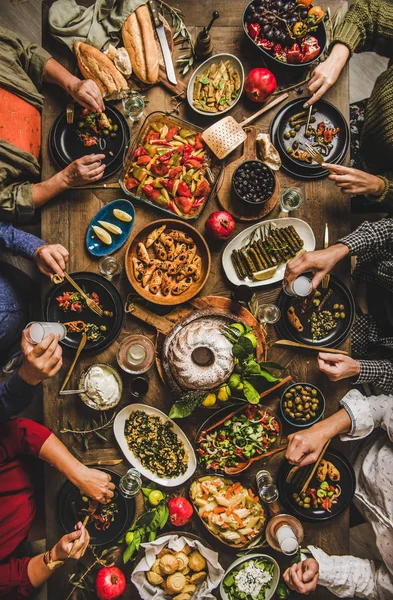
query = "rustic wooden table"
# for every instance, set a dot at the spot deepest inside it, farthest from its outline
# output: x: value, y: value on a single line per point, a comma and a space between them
x: 65, y: 221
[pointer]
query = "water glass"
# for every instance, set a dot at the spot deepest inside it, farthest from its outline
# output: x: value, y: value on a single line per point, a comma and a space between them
x: 36, y: 331
x: 269, y: 313
x: 267, y: 489
x: 130, y: 484
x: 242, y: 293
x: 291, y: 198
x: 301, y: 287
x: 134, y: 105
x: 139, y: 387
x: 109, y: 266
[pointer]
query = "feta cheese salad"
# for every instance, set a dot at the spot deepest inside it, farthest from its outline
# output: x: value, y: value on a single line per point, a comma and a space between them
x: 250, y: 580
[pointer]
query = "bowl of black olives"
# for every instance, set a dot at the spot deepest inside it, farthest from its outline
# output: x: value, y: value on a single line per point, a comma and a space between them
x: 253, y: 182
x: 302, y: 404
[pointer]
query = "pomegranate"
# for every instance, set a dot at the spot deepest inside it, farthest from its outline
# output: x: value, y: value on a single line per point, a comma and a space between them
x: 110, y: 583
x: 259, y: 84
x: 180, y: 511
x: 220, y: 225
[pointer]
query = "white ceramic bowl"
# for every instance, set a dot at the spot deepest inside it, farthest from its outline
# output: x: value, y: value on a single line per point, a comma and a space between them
x: 273, y: 584
x: 215, y: 59
x: 88, y: 400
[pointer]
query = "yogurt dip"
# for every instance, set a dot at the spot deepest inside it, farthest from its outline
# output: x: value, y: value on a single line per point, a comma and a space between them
x: 103, y: 387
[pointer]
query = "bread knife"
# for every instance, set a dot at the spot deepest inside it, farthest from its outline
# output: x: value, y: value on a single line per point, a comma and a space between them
x: 170, y: 71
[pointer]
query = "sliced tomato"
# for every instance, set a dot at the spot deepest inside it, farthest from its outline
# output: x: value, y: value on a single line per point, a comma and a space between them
x: 159, y: 169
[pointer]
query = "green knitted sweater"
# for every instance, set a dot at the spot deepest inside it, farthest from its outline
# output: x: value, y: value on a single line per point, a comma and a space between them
x: 368, y: 26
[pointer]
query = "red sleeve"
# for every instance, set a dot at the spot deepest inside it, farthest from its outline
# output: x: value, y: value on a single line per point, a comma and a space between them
x: 22, y: 436
x: 14, y: 581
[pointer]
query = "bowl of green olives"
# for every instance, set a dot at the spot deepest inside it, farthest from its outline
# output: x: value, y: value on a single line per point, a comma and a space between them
x: 302, y: 404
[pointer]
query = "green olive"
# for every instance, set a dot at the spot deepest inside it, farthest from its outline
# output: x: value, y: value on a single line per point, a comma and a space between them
x: 314, y: 406
x: 300, y: 407
x: 306, y: 406
x: 336, y: 306
x: 289, y: 150
x: 292, y: 415
x: 293, y: 391
x: 113, y: 135
x: 308, y: 417
x: 298, y: 388
x: 312, y: 413
x: 287, y: 135
x: 314, y: 392
x: 341, y: 307
x: 293, y: 133
x: 290, y: 404
x: 342, y: 315
x: 115, y: 127
x: 288, y: 395
x: 106, y: 132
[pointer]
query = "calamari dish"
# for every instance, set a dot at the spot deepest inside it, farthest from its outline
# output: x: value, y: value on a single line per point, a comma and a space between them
x: 217, y: 87
x: 167, y: 262
x: 74, y: 302
x: 104, y: 514
x: 323, y: 494
x: 93, y: 127
x: 320, y: 135
x: 155, y: 444
x: 228, y: 510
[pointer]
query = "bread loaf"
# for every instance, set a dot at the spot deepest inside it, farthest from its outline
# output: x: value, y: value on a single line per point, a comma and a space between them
x: 95, y: 65
x: 140, y: 43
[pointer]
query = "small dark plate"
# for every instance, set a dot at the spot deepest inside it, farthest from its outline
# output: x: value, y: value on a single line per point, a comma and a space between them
x: 319, y: 412
x: 335, y: 337
x: 69, y: 493
x: 238, y: 192
x: 347, y: 483
x: 109, y: 298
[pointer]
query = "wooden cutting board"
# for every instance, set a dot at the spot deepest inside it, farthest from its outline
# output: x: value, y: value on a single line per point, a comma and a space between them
x: 226, y: 195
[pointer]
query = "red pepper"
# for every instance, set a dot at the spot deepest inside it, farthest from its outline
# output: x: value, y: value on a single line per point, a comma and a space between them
x: 159, y: 169
x: 182, y: 190
x: 131, y: 183
x: 143, y: 160
x: 165, y: 157
x: 279, y: 53
x: 294, y: 55
x: 329, y: 133
x: 168, y: 184
x: 192, y: 163
x: 187, y: 150
x: 198, y: 142
x: 174, y: 171
x: 203, y: 189
x: 321, y: 128
x: 85, y: 112
x: 171, y: 133
x: 160, y: 143
x: 254, y: 29
x: 150, y: 191
x: 140, y: 151
x: 152, y: 135
x: 310, y: 48
x: 266, y: 45
x: 184, y: 204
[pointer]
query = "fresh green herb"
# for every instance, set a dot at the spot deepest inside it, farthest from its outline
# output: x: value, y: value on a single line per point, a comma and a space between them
x: 181, y: 35
x: 186, y: 403
x: 204, y: 80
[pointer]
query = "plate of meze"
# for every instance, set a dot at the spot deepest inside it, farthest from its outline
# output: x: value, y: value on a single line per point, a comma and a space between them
x: 266, y: 245
x: 147, y: 445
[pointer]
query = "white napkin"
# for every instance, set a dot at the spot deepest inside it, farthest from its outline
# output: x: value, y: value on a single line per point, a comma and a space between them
x: 176, y: 543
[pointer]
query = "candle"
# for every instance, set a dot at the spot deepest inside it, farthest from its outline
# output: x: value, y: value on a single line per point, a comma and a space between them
x: 287, y: 540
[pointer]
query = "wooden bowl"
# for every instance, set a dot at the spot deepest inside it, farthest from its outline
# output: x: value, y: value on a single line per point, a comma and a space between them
x: 202, y: 250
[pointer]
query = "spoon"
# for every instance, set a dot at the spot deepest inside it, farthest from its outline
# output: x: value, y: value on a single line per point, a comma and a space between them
x: 69, y: 392
x: 240, y: 467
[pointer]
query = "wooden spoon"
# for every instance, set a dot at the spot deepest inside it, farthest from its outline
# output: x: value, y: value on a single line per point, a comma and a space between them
x: 82, y: 344
x: 240, y: 467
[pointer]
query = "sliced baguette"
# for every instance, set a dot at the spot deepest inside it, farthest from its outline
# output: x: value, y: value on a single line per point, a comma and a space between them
x: 95, y: 65
x: 140, y: 43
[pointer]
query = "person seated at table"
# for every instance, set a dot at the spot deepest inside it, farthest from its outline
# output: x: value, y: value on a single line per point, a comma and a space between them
x: 368, y: 420
x: 372, y: 334
x: 35, y: 363
x: 21, y: 574
x: 367, y: 26
x: 24, y: 67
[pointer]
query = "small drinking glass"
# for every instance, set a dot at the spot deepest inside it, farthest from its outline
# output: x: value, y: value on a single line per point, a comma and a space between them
x: 301, y: 287
x: 130, y: 484
x: 242, y: 293
x: 134, y: 105
x: 36, y: 331
x: 138, y: 387
x: 109, y: 266
x: 291, y: 198
x: 269, y: 313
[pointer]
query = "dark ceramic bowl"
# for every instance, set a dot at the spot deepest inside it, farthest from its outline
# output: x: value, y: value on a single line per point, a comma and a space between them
x: 238, y: 191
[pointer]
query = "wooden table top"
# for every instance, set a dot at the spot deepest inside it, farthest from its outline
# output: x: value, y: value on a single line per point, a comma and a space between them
x: 65, y: 220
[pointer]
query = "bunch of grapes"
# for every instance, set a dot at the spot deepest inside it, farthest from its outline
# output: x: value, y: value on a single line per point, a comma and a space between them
x: 276, y: 19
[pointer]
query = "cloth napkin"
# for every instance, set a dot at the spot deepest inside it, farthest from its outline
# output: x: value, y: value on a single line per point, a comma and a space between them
x: 98, y: 25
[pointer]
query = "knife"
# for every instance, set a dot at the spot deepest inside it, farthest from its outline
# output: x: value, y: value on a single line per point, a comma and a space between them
x: 105, y: 463
x: 170, y: 71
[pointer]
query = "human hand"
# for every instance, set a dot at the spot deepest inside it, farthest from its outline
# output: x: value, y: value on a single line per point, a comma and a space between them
x: 84, y: 170
x: 320, y: 262
x: 305, y: 446
x: 51, y: 258
x: 63, y: 549
x: 95, y: 484
x: 354, y: 181
x: 327, y: 72
x: 87, y: 93
x: 303, y: 577
x: 338, y: 366
x: 41, y: 361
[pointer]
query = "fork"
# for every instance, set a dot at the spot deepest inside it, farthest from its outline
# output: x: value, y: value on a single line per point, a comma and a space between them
x: 70, y: 113
x: 90, y: 303
x: 317, y: 156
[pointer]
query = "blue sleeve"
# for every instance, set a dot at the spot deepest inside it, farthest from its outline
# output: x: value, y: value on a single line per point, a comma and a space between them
x: 18, y: 242
x: 15, y: 396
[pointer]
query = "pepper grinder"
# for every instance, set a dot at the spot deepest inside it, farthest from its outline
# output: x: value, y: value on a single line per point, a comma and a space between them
x: 203, y: 46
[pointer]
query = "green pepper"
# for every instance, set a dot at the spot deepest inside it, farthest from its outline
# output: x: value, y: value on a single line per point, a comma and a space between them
x: 150, y: 149
x: 174, y: 160
x: 324, y: 485
x: 139, y: 173
x: 161, y: 200
x: 157, y: 183
x: 185, y: 133
x: 321, y: 493
x: 156, y: 127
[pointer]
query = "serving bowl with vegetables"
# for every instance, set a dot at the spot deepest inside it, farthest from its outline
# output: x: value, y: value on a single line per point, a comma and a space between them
x: 253, y: 577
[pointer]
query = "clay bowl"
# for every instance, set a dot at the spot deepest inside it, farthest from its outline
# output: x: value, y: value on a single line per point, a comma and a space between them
x: 202, y: 250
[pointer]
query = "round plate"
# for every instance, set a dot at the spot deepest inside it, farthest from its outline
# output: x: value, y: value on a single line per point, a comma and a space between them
x: 335, y: 337
x: 347, y: 483
x: 70, y: 147
x: 118, y: 428
x: 202, y: 250
x: 327, y: 113
x: 273, y: 584
x: 94, y: 244
x: 69, y: 493
x: 109, y: 298
x: 302, y: 228
x: 319, y: 412
x: 205, y: 65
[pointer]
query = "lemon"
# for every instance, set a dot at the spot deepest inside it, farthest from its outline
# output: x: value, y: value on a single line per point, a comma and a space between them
x: 224, y: 393
x: 239, y: 326
x: 234, y: 381
x: 110, y: 227
x: 210, y: 400
x: 102, y: 235
x: 122, y: 215
x: 252, y: 338
x: 155, y: 497
x: 265, y: 274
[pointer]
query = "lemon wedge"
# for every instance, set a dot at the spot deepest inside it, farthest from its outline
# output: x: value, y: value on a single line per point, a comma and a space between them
x: 265, y: 274
x: 122, y: 215
x: 102, y: 235
x: 110, y: 227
